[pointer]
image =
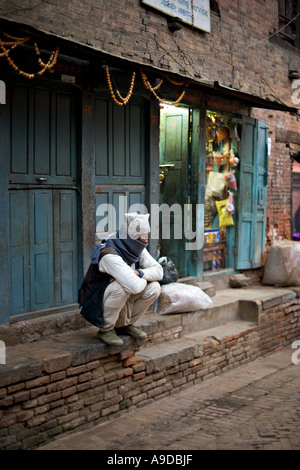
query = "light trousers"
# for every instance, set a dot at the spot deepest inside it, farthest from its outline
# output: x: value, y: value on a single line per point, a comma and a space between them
x: 121, y: 308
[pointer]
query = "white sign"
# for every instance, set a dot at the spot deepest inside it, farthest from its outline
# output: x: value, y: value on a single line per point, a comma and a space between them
x: 269, y: 145
x: 68, y: 78
x: 194, y: 12
x: 2, y: 352
x: 2, y: 92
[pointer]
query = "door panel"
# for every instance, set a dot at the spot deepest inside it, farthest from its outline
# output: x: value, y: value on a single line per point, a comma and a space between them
x: 101, y: 137
x: 121, y: 199
x: 252, y: 194
x: 65, y: 246
x: 41, y: 153
x: 174, y: 147
x: 19, y: 131
x: 120, y: 153
x: 119, y: 142
x: 43, y: 199
x: 43, y: 131
x: 19, y: 253
x: 64, y: 139
x: 41, y: 249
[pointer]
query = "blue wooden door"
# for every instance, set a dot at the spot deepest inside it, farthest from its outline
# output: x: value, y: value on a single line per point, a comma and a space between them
x: 43, y: 199
x: 120, y: 155
x: 252, y: 194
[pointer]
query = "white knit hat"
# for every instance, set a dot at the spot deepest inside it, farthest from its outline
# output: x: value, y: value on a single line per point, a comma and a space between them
x: 135, y: 225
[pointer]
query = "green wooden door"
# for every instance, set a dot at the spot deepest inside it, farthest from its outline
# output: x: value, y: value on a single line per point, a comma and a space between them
x: 43, y: 199
x: 174, y: 150
x: 252, y: 194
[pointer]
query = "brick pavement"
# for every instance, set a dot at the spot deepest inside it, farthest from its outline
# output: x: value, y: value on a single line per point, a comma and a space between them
x: 256, y: 406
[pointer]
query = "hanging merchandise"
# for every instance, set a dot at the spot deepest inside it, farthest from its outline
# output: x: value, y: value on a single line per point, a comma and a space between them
x: 233, y: 160
x: 216, y: 260
x: 222, y: 134
x: 216, y: 184
x: 210, y: 209
x: 216, y: 131
x: 210, y: 134
x: 209, y: 160
x: 230, y: 180
x: 234, y: 132
x: 218, y: 157
x: 230, y: 205
x: 225, y: 159
x: 225, y: 219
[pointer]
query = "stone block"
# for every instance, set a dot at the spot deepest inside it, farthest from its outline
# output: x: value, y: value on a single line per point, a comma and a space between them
x: 239, y: 280
x: 207, y: 287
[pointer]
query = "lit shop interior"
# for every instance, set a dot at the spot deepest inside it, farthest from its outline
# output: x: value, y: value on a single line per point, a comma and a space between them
x: 222, y: 149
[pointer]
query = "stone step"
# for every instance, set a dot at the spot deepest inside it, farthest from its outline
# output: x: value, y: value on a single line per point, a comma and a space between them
x: 219, y: 279
x: 166, y: 355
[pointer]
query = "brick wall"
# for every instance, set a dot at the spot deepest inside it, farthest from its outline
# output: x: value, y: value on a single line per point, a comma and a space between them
x: 69, y: 397
x: 235, y: 52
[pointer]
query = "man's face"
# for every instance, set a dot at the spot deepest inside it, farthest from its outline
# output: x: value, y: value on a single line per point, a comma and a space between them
x: 144, y: 238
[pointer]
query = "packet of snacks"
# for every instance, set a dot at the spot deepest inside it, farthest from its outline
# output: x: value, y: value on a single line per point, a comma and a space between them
x: 230, y: 180
x: 225, y: 219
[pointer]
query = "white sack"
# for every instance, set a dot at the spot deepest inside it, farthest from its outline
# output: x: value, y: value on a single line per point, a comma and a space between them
x: 177, y: 297
x: 283, y: 264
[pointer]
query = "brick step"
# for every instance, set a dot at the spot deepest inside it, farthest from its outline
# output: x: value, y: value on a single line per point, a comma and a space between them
x: 73, y: 381
x: 166, y: 355
x: 231, y: 307
x: 28, y: 330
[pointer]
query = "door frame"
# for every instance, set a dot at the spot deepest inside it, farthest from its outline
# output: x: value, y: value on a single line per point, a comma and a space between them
x: 4, y: 212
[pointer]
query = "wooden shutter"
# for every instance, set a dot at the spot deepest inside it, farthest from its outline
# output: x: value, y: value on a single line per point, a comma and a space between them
x: 252, y: 194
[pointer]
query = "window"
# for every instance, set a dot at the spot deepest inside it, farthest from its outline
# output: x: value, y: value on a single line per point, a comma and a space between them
x: 287, y: 15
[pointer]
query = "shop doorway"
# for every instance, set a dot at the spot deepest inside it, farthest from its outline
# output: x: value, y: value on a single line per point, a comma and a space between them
x: 223, y: 134
x: 234, y: 188
x: 235, y: 192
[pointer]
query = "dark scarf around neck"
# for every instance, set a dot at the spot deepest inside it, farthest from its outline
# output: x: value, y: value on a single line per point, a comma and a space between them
x: 128, y: 248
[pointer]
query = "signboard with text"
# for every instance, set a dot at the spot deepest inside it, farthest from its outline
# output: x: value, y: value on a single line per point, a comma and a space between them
x: 194, y: 12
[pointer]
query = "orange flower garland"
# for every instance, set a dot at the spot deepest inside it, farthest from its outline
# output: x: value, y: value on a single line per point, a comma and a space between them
x: 153, y: 90
x: 12, y: 44
x: 121, y: 101
x: 175, y: 83
x: 7, y: 47
x: 125, y: 100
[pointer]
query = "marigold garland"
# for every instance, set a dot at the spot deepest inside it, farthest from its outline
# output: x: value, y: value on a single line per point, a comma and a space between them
x: 7, y: 47
x: 174, y: 82
x: 153, y: 90
x: 125, y: 100
x: 12, y: 44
